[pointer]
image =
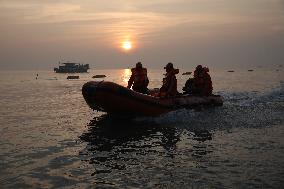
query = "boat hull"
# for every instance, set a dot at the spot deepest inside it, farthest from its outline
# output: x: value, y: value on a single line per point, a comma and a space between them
x: 115, y: 99
x: 83, y: 70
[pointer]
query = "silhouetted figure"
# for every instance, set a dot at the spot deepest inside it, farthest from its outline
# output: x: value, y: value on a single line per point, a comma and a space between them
x: 188, y: 88
x: 169, y: 88
x: 201, y: 84
x: 139, y: 79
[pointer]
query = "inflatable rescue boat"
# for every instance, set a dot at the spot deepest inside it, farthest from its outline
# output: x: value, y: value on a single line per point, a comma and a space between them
x: 115, y: 99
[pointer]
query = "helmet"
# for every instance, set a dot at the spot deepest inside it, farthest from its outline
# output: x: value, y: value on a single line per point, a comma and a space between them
x: 169, y: 66
x: 199, y: 67
x: 138, y: 65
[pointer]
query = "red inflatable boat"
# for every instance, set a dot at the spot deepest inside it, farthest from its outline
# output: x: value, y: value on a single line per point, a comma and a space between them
x: 116, y: 99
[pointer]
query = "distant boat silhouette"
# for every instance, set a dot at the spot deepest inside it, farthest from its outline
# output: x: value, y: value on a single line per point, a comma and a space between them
x: 99, y: 76
x: 231, y: 71
x: 73, y: 77
x: 71, y: 67
x: 186, y: 73
x: 250, y: 70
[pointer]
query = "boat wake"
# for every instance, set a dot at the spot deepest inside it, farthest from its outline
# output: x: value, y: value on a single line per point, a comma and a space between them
x: 244, y: 109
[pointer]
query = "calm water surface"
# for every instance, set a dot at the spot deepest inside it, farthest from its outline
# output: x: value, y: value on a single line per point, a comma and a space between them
x: 49, y: 138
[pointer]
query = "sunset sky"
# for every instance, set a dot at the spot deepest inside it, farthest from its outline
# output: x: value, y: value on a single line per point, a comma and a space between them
x: 36, y: 34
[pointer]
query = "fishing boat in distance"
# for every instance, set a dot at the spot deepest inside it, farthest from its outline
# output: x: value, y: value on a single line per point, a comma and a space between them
x: 73, y: 77
x: 72, y: 67
x: 118, y: 100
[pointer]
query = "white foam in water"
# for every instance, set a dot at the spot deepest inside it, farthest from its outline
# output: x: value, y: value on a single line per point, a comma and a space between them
x: 276, y: 94
x: 249, y: 109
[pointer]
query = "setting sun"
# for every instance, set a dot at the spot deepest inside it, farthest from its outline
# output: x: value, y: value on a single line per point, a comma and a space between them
x: 126, y: 45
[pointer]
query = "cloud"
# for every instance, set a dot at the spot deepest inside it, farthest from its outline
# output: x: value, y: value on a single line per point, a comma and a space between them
x: 154, y: 25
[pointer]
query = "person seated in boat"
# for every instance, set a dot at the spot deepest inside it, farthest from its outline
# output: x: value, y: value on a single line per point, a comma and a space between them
x: 169, y: 87
x: 200, y: 84
x: 139, y: 79
x: 188, y: 87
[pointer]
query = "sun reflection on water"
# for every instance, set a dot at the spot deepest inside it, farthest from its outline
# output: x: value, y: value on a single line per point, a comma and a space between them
x: 125, y: 76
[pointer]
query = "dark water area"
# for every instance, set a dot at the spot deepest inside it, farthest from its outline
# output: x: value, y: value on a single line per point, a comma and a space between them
x: 51, y: 139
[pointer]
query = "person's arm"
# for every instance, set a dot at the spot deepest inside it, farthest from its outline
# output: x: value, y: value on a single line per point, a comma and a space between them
x: 130, y: 81
x: 146, y: 77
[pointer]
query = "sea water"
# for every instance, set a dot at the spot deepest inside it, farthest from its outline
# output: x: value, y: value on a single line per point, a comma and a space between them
x: 50, y: 138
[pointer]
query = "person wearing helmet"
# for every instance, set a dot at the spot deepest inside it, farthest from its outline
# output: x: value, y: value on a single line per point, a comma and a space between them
x: 202, y: 83
x: 139, y: 79
x: 169, y: 87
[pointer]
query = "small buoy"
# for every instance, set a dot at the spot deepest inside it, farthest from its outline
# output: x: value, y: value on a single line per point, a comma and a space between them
x: 99, y: 76
x: 73, y: 77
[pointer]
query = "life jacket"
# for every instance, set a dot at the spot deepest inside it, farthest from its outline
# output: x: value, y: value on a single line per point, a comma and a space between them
x: 202, y: 82
x: 169, y: 87
x: 140, y: 78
